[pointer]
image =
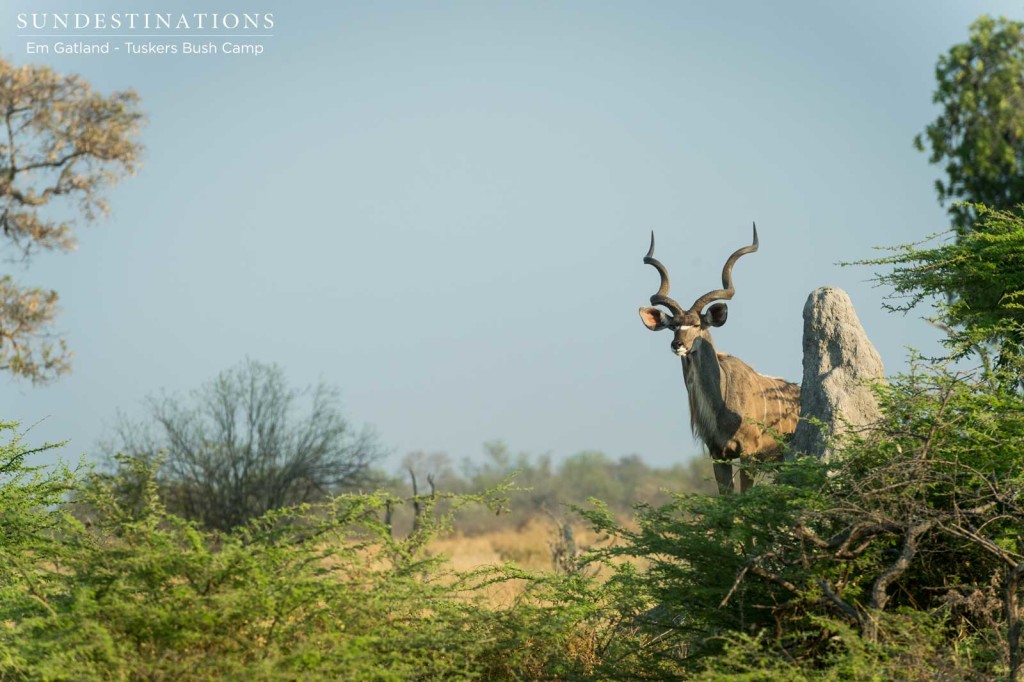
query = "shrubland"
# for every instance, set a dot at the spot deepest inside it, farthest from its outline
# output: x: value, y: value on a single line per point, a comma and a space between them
x: 899, y: 558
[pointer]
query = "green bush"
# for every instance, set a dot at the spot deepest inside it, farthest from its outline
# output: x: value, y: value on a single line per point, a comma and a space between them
x: 311, y: 592
x: 903, y: 556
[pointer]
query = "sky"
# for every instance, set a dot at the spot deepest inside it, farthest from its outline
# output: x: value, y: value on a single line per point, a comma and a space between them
x: 442, y: 208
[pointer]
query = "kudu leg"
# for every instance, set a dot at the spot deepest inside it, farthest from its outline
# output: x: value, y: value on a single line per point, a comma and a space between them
x: 723, y: 474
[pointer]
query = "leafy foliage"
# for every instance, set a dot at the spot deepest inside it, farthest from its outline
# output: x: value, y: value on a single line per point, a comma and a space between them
x: 899, y: 558
x: 61, y: 144
x: 979, y: 133
x: 309, y: 592
x: 986, y: 270
x: 30, y: 512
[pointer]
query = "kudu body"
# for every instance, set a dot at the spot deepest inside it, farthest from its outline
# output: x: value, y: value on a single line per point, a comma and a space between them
x: 735, y: 411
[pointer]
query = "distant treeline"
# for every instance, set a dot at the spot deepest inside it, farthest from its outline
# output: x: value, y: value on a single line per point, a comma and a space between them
x: 546, y: 486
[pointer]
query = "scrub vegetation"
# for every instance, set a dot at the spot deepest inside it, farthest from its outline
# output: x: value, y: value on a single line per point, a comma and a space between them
x: 900, y: 558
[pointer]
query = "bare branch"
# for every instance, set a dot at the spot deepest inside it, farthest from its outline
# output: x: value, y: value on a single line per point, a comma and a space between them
x: 879, y: 597
x: 843, y: 605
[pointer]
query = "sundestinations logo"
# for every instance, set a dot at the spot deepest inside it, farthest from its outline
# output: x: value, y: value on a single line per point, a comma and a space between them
x: 145, y: 33
x: 143, y: 21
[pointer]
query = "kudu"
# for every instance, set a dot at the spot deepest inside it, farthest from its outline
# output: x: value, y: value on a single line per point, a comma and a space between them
x: 735, y: 411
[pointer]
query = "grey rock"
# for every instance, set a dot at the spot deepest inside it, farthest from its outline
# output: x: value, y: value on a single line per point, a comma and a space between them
x: 840, y: 365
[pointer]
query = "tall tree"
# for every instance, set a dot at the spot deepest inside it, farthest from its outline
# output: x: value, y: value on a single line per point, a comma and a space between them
x: 61, y: 146
x: 245, y: 443
x: 979, y: 133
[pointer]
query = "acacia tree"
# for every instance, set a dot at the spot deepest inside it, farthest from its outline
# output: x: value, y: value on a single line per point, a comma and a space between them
x: 979, y: 133
x: 239, y: 446
x: 985, y: 268
x: 61, y: 146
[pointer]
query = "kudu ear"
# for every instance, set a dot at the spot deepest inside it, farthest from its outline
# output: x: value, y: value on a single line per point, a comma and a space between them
x: 716, y: 315
x: 654, y: 318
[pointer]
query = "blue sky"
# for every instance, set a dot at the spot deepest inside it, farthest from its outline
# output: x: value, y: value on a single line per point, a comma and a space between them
x: 442, y: 208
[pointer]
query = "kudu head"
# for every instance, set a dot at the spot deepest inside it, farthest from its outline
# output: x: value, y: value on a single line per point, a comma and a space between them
x: 690, y: 325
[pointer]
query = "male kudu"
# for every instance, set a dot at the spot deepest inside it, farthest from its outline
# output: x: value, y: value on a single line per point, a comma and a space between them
x: 735, y: 411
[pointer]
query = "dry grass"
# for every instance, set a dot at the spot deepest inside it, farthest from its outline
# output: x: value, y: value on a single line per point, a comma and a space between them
x: 530, y: 547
